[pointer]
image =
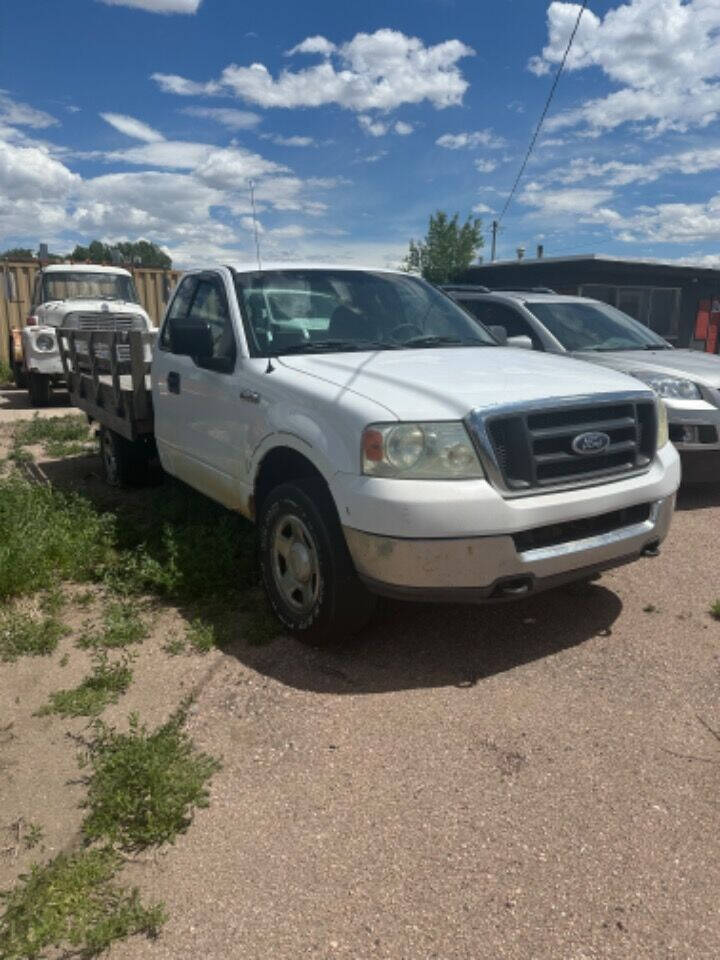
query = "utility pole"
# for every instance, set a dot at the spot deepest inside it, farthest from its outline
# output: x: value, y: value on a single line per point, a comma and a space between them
x: 494, y: 240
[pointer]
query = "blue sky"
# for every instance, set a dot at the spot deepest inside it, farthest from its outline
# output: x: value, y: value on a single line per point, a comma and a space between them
x: 127, y: 119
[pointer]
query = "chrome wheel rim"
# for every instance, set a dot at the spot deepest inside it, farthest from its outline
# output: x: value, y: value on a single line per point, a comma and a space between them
x: 295, y: 564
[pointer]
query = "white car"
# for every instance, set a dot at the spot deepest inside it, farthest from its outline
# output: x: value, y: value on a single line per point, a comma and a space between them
x: 390, y: 446
x: 74, y: 296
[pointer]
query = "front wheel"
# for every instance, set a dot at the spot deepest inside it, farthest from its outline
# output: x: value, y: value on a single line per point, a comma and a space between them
x: 39, y: 389
x: 124, y: 463
x: 306, y: 568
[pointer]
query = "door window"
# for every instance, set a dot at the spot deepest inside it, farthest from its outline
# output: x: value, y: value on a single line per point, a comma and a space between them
x: 210, y: 307
x: 499, y: 315
x: 178, y: 308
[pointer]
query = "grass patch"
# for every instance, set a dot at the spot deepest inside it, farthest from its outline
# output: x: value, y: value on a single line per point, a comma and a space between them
x: 6, y: 377
x: 46, y: 536
x: 67, y: 448
x: 104, y: 685
x: 24, y: 636
x: 201, y: 636
x: 144, y: 785
x: 715, y: 610
x: 175, y: 646
x: 72, y: 428
x: 121, y: 627
x: 34, y: 836
x: 72, y: 904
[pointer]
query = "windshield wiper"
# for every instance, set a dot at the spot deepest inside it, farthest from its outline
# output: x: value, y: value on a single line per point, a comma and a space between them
x: 445, y: 341
x: 334, y: 346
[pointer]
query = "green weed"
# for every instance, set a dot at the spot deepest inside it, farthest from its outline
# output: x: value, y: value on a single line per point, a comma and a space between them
x: 174, y: 646
x: 34, y: 836
x: 67, y: 448
x: 46, y: 536
x: 24, y: 636
x: 52, y: 601
x: 71, y: 904
x: 5, y: 375
x: 104, y: 685
x: 51, y: 430
x: 144, y: 785
x: 121, y: 627
x: 201, y: 636
x: 715, y: 610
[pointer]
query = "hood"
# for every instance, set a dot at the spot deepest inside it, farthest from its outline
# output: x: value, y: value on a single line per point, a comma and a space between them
x: 55, y: 311
x: 689, y: 364
x: 447, y: 383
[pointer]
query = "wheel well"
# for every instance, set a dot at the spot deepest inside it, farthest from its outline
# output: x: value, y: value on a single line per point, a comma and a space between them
x: 279, y: 466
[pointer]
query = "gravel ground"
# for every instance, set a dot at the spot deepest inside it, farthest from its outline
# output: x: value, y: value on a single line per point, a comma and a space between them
x: 531, y: 782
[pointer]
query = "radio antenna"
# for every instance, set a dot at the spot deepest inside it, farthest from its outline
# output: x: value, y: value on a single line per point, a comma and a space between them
x: 255, y: 224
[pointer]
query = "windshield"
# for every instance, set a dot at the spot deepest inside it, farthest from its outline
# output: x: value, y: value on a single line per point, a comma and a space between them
x: 595, y: 326
x: 88, y: 286
x: 311, y: 311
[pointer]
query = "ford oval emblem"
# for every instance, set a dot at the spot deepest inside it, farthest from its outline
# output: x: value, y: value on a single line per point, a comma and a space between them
x: 591, y: 442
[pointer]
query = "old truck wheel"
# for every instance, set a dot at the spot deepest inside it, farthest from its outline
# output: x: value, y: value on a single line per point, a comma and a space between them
x: 39, y: 389
x: 124, y: 463
x: 307, y: 572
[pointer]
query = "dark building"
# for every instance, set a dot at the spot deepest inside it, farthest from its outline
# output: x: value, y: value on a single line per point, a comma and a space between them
x: 680, y: 303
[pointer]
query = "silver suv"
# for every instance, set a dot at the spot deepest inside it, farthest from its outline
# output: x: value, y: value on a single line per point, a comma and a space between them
x: 687, y: 380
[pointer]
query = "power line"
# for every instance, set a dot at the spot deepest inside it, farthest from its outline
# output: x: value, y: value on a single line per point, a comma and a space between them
x: 531, y: 147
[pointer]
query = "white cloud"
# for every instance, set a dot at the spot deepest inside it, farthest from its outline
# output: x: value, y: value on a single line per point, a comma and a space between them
x: 673, y: 223
x: 227, y: 116
x: 403, y: 129
x: 313, y: 45
x: 132, y: 127
x: 294, y: 141
x: 482, y: 208
x: 664, y: 55
x: 376, y: 128
x: 158, y: 6
x: 585, y: 204
x: 470, y: 141
x: 619, y: 173
x: 485, y: 166
x: 22, y: 115
x: 378, y: 71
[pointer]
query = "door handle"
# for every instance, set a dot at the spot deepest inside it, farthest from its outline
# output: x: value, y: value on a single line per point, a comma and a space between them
x: 173, y: 381
x: 250, y: 396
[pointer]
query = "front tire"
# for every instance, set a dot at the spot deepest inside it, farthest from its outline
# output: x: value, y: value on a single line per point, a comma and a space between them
x: 39, y: 389
x: 125, y: 464
x: 306, y: 567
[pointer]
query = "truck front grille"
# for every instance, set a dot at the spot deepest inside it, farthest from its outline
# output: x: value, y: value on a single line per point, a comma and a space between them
x: 533, y: 449
x: 104, y: 321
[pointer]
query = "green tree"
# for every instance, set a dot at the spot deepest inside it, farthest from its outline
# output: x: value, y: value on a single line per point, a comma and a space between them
x: 17, y: 253
x: 448, y: 248
x: 140, y: 253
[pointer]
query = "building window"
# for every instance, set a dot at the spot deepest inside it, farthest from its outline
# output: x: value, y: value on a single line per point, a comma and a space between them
x: 656, y: 307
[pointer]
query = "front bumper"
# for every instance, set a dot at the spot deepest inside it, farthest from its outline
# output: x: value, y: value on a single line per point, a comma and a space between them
x: 476, y: 569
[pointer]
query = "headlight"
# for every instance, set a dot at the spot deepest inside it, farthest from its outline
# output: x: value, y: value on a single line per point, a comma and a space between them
x: 45, y: 341
x: 663, y: 431
x: 674, y: 388
x: 419, y: 451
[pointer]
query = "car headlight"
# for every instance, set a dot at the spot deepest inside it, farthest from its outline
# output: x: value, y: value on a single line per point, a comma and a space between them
x: 672, y: 388
x: 663, y: 431
x: 419, y: 451
x: 45, y: 341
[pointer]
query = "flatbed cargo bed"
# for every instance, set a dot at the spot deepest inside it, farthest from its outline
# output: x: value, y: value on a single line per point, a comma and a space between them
x: 108, y: 377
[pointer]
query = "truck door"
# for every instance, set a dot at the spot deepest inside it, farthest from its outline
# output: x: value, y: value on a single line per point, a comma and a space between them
x: 197, y: 401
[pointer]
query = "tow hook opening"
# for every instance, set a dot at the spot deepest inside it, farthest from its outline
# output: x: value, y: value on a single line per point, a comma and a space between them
x: 651, y: 549
x: 515, y: 587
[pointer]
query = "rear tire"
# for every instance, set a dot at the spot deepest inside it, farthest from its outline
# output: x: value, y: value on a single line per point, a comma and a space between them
x: 39, y: 389
x: 125, y: 464
x: 19, y: 376
x: 306, y: 567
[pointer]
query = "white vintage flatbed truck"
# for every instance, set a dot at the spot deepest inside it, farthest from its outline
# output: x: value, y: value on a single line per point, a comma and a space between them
x: 71, y: 295
x: 382, y: 441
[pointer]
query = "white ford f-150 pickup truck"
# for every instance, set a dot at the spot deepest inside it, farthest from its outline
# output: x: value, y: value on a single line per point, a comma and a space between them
x: 384, y: 443
x: 77, y: 296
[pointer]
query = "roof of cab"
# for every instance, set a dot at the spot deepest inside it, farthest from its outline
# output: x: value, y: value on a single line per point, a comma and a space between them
x: 273, y: 266
x: 85, y: 268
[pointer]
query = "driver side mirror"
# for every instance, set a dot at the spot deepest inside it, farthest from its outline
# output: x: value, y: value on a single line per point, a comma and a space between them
x: 191, y: 340
x: 500, y: 334
x: 525, y: 343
